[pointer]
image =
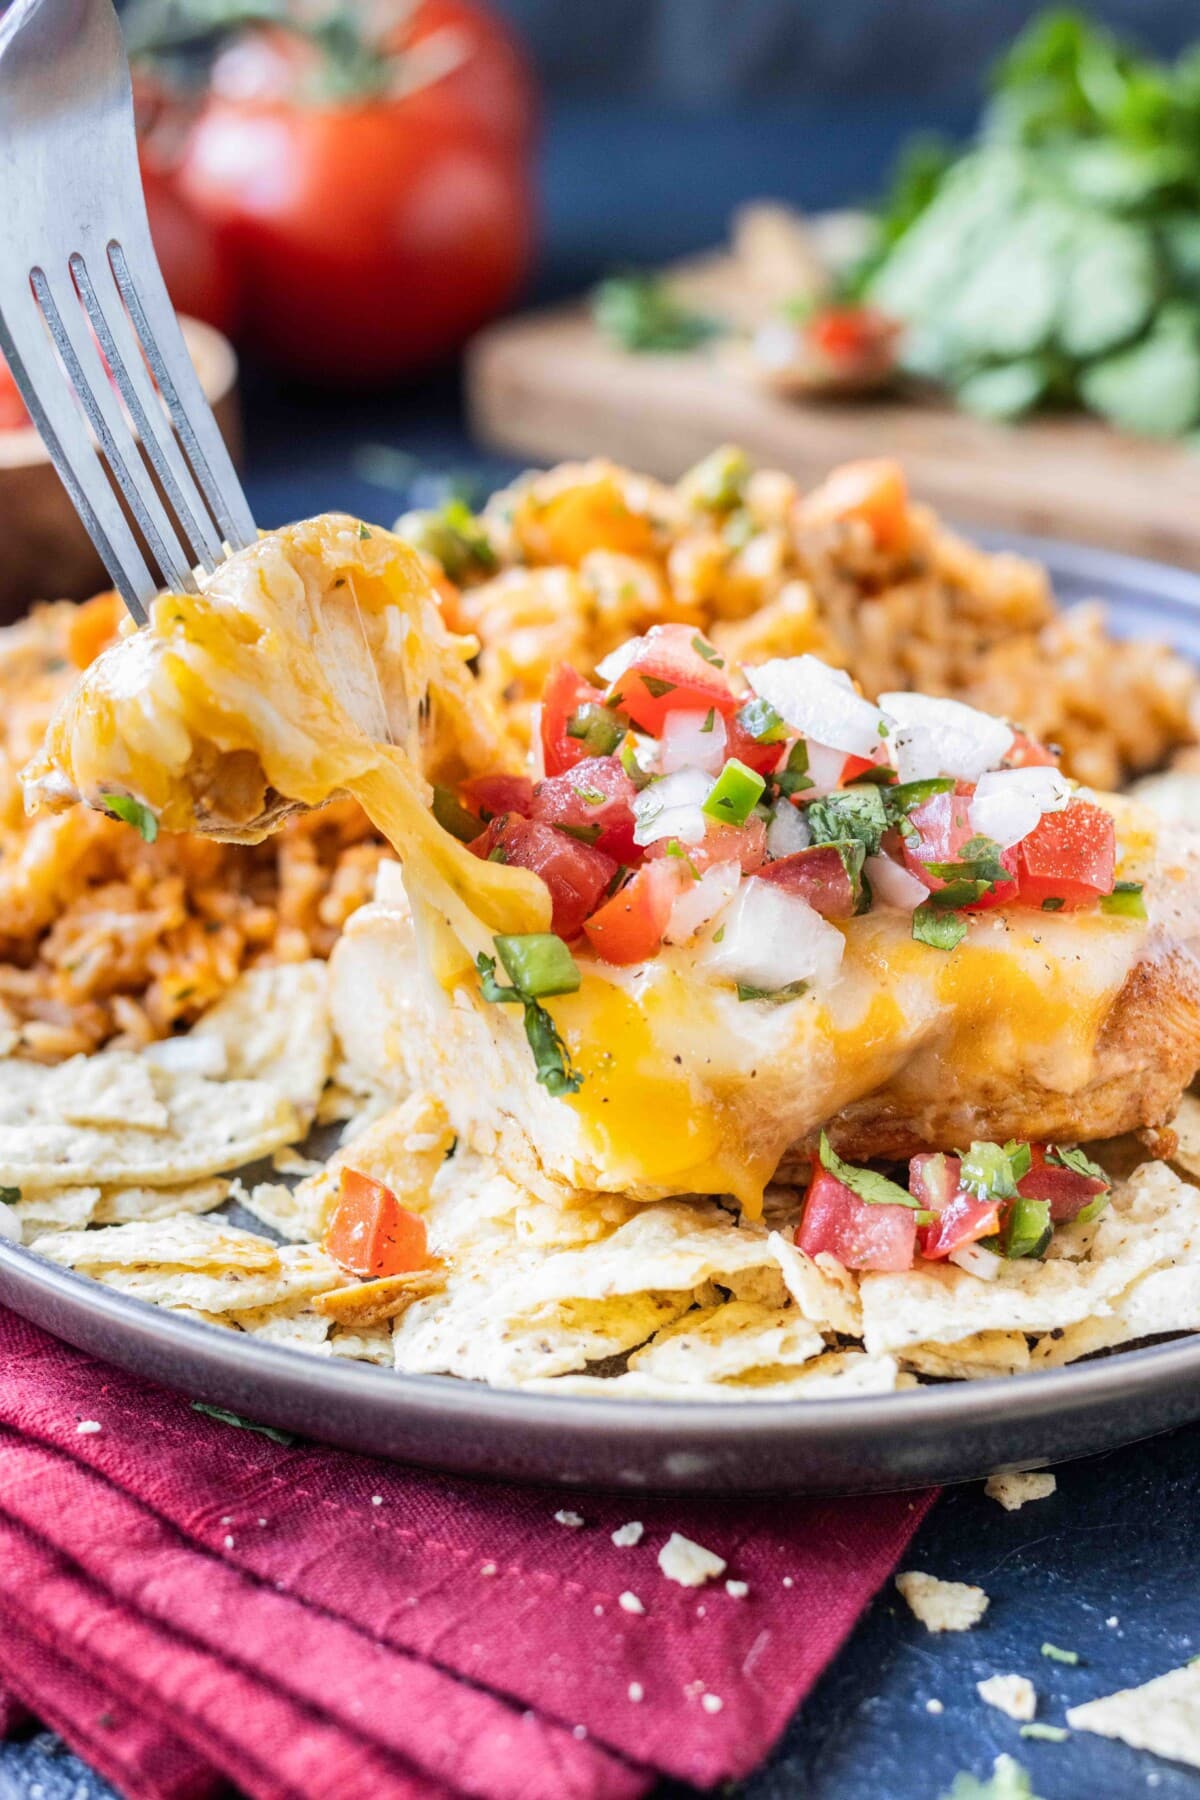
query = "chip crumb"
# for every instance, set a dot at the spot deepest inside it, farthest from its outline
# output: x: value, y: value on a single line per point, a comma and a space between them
x: 636, y: 1691
x: 788, y: 1582
x: 1113, y: 1622
x: 1017, y: 1490
x: 579, y: 1731
x: 712, y: 1703
x: 262, y: 1521
x: 376, y: 1499
x: 934, y: 1706
x: 1011, y: 1694
x: 737, y: 1590
x: 702, y: 1612
x: 688, y: 1563
x: 1162, y: 1716
x: 572, y: 1520
x: 625, y: 1536
x: 488, y: 1569
x: 942, y: 1605
x: 598, y: 1610
x: 629, y: 1602
x: 227, y: 1518
x: 227, y: 1540
x: 86, y: 1427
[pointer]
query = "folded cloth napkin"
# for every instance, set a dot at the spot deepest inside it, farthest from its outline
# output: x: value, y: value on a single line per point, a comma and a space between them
x: 190, y: 1604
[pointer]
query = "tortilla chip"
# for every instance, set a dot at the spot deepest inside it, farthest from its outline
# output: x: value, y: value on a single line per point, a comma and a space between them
x: 666, y: 1246
x: 404, y: 1150
x: 290, y: 1162
x: 1186, y: 1126
x: 57, y: 1209
x: 295, y: 1327
x: 942, y: 1605
x: 1163, y: 1301
x: 496, y: 1337
x: 1014, y: 1695
x: 373, y: 1302
x: 276, y: 1205
x: 825, y: 1292
x: 1153, y: 1219
x: 121, y: 1206
x: 211, y: 1126
x: 840, y: 1374
x: 1018, y: 1488
x: 274, y: 1026
x: 1163, y: 1716
x: 185, y: 1240
x: 303, y: 1271
x: 987, y: 1353
x: 717, y: 1343
x: 113, y: 1088
x: 371, y: 1343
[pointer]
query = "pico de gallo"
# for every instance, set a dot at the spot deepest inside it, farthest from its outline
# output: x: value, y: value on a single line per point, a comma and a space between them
x: 684, y: 801
x: 993, y: 1202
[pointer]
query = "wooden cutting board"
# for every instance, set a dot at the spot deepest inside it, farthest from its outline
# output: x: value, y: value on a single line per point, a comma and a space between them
x: 547, y: 386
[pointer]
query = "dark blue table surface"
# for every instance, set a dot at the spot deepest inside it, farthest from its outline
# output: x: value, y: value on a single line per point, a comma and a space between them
x: 1120, y: 1539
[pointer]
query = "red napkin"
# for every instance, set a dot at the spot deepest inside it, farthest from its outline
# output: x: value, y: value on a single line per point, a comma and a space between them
x: 187, y: 1602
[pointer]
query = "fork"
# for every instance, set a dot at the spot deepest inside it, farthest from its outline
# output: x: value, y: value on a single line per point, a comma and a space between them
x: 86, y: 323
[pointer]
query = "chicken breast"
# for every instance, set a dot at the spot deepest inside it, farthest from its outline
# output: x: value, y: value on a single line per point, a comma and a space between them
x: 316, y: 662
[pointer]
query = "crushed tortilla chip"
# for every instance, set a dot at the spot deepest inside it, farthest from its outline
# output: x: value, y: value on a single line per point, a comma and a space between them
x: 1016, y: 1490
x: 942, y: 1605
x: 1162, y: 1716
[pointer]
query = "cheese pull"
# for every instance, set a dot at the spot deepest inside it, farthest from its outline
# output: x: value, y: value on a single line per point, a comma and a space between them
x: 314, y: 663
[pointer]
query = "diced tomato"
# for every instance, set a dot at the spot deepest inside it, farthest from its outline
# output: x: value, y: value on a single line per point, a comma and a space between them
x: 565, y: 692
x: 1066, y: 1189
x: 857, y: 339
x: 1027, y: 753
x: 944, y: 828
x: 13, y: 416
x: 576, y: 874
x: 596, y: 794
x: 629, y: 928
x: 819, y: 876
x: 491, y: 796
x: 874, y: 491
x: 667, y: 674
x: 962, y: 1218
x: 745, y: 845
x: 1068, y: 856
x: 370, y: 1233
x: 856, y: 1234
x: 764, y: 759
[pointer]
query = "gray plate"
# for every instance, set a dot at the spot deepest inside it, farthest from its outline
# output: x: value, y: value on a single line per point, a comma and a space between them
x: 953, y: 1432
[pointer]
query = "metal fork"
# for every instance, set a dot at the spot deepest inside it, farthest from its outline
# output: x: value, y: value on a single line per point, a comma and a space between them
x: 82, y: 299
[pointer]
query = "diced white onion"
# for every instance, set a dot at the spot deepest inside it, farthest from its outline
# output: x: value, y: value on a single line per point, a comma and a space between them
x: 389, y: 885
x: 10, y: 1225
x: 670, y: 808
x: 618, y: 660
x: 977, y: 1261
x: 772, y: 938
x: 1009, y: 803
x: 819, y: 702
x: 893, y: 885
x: 687, y: 745
x: 702, y: 900
x: 193, y: 1055
x: 944, y: 737
x: 788, y: 830
x: 825, y: 767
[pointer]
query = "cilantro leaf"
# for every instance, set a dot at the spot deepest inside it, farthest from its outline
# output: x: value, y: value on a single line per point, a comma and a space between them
x: 854, y: 813
x: 9, y: 1195
x: 1076, y: 1161
x: 132, y: 812
x: 224, y: 1417
x: 868, y: 1184
x: 941, y: 930
x: 707, y: 652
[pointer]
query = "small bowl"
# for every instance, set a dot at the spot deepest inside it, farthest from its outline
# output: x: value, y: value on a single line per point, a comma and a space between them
x: 45, y: 553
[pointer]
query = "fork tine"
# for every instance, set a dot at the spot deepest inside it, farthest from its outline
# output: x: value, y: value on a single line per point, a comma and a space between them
x: 55, y: 412
x: 156, y: 325
x: 123, y: 354
x: 75, y: 344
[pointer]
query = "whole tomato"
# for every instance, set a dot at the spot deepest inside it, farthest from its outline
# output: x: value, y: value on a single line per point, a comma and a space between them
x: 375, y: 211
x: 196, y: 269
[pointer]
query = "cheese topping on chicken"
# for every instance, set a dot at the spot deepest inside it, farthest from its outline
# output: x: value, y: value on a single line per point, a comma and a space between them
x: 740, y: 977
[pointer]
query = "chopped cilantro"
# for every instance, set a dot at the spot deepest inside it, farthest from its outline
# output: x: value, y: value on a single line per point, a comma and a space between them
x: 957, y: 894
x: 977, y: 861
x: 224, y: 1417
x: 10, y: 1195
x: 940, y: 930
x: 718, y: 936
x: 1061, y: 1656
x: 707, y: 652
x: 132, y: 812
x: 1076, y: 1160
x: 362, y: 530
x: 868, y: 1184
x: 655, y: 686
x: 855, y: 813
x: 710, y: 719
x: 794, y: 777
x: 552, y: 1064
x: 1053, y: 904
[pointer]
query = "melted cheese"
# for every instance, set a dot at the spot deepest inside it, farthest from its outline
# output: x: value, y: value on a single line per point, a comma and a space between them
x: 317, y: 662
